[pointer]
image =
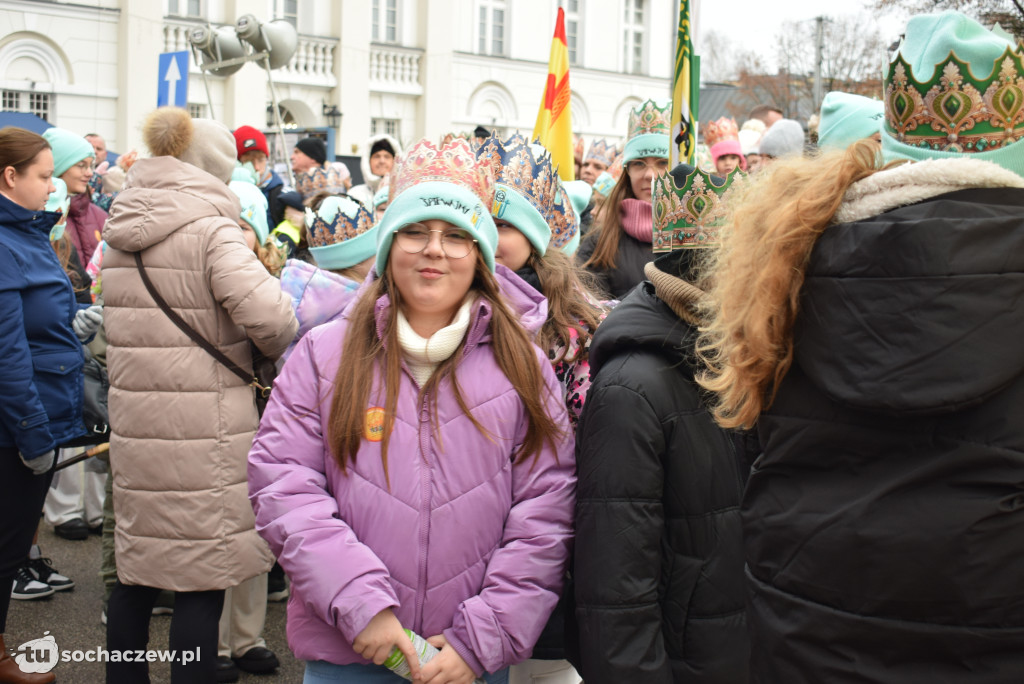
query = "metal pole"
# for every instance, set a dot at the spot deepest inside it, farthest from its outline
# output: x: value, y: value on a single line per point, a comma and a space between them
x: 278, y: 124
x: 818, y: 45
x: 206, y: 84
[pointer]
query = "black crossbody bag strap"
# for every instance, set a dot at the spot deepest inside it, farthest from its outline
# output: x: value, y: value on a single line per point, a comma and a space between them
x: 248, y: 378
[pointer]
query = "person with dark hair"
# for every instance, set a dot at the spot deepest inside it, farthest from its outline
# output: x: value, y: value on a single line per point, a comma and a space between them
x: 313, y: 173
x: 413, y: 470
x: 658, y: 565
x: 376, y: 165
x: 41, y: 353
x: 617, y: 250
x: 867, y: 320
x: 767, y: 114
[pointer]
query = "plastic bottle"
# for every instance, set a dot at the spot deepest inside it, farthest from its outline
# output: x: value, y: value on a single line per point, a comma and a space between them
x: 397, y: 663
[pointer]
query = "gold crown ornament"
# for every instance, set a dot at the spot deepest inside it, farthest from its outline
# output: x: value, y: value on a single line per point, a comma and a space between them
x: 688, y: 216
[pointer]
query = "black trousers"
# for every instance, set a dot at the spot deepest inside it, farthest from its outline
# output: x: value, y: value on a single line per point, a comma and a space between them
x: 193, y: 631
x: 22, y: 494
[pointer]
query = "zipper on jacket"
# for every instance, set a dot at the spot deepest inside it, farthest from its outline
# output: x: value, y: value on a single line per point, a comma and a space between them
x: 425, y: 486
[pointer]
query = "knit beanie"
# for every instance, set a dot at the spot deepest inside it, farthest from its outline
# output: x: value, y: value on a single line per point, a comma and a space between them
x: 68, y: 149
x: 254, y: 207
x: 381, y: 144
x: 314, y: 148
x: 784, y: 138
x: 248, y: 139
x: 293, y: 199
x: 648, y: 134
x: 748, y: 141
x: 203, y: 143
x: 847, y: 118
x: 341, y: 233
x: 953, y: 90
x: 524, y: 186
x: 604, y: 183
x: 381, y: 197
x: 58, y: 200
x: 447, y: 184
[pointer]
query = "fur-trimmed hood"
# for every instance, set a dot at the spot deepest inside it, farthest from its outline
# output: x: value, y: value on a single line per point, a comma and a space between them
x: 911, y: 301
x: 369, y: 178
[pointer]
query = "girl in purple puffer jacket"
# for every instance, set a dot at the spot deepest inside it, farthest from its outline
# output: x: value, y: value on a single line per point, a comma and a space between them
x: 414, y: 468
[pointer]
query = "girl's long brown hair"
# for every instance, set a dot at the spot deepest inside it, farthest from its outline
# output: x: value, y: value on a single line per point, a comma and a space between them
x: 572, y: 298
x: 757, y: 275
x: 63, y: 249
x: 610, y: 230
x: 365, y: 354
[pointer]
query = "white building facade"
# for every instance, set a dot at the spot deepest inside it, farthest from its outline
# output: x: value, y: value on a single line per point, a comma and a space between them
x: 411, y: 68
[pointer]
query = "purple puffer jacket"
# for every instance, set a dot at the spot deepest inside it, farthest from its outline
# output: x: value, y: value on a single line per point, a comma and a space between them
x: 318, y: 296
x: 462, y: 543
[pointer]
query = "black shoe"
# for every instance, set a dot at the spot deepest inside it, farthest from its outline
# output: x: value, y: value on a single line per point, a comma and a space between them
x: 258, y: 660
x: 73, y: 529
x: 27, y: 588
x: 96, y: 529
x: 226, y: 670
x: 43, y: 571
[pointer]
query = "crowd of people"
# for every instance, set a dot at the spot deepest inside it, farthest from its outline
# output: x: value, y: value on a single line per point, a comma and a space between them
x: 750, y: 419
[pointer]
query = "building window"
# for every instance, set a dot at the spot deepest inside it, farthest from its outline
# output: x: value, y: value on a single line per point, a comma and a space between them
x: 40, y: 104
x: 11, y: 101
x: 197, y: 111
x: 633, y: 37
x: 385, y: 21
x: 386, y: 126
x: 491, y: 28
x: 572, y: 29
x: 287, y: 10
x: 185, y: 8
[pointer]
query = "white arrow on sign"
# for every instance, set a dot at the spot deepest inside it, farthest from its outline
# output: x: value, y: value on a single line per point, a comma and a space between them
x: 172, y: 77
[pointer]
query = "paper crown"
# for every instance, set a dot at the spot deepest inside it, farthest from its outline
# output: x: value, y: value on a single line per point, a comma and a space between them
x: 602, y: 152
x: 577, y: 146
x: 717, y: 131
x: 687, y: 216
x: 615, y: 169
x: 650, y: 118
x: 337, y: 219
x: 565, y: 224
x: 454, y: 162
x: 955, y: 111
x: 523, y: 167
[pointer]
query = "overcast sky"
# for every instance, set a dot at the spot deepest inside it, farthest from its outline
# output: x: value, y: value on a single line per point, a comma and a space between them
x: 754, y: 24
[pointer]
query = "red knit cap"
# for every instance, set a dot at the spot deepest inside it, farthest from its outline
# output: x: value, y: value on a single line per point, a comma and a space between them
x: 248, y: 139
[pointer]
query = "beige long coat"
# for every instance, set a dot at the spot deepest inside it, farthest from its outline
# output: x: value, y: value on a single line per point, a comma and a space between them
x: 182, y: 424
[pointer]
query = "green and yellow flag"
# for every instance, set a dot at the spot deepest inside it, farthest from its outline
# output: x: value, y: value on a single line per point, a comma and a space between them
x: 554, y: 120
x: 685, y: 92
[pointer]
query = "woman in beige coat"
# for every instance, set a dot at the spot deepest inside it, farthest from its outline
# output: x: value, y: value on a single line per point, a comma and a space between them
x: 182, y: 423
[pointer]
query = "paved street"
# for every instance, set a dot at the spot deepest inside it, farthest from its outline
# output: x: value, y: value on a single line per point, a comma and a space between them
x: 73, y: 618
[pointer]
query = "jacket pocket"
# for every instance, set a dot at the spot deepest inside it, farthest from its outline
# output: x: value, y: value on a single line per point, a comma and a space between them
x: 58, y: 380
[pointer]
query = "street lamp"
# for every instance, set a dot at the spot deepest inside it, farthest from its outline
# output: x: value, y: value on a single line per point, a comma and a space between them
x: 332, y: 114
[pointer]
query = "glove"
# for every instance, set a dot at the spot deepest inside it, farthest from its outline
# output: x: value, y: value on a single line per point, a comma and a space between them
x: 39, y: 465
x: 87, y: 322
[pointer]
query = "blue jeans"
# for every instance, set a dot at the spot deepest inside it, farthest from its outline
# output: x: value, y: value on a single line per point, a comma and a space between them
x: 319, y: 672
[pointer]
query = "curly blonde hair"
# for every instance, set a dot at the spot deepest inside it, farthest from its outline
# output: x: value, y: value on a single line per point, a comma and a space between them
x: 756, y: 276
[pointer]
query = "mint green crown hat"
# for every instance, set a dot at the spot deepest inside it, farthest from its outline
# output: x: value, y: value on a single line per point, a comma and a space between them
x: 955, y: 89
x: 648, y: 134
x: 341, y: 232
x: 254, y: 207
x: 847, y: 118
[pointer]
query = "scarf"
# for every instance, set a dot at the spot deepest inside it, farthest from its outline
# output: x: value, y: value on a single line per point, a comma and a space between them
x: 682, y: 297
x: 423, y: 355
x: 637, y: 219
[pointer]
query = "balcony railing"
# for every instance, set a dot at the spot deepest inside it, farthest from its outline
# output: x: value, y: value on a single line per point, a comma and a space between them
x: 395, y: 69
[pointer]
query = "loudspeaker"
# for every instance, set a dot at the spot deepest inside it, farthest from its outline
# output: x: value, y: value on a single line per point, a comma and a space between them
x: 217, y: 44
x: 277, y: 37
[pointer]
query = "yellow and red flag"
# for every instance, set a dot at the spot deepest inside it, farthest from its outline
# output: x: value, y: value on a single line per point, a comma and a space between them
x: 554, y: 120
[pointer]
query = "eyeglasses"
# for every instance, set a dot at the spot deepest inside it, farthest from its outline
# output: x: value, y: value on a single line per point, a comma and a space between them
x: 84, y: 165
x: 639, y: 167
x: 414, y: 238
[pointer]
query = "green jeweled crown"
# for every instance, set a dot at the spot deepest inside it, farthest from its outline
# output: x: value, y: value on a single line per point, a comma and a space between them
x: 956, y: 111
x: 688, y: 217
x: 650, y: 118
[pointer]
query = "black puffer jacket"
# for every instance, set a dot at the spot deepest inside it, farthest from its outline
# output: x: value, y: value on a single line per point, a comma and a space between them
x: 659, y: 558
x: 885, y: 519
x: 630, y: 260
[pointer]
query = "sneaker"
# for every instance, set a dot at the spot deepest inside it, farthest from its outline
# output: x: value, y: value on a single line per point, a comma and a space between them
x: 27, y: 587
x: 103, y: 616
x: 277, y: 584
x: 43, y: 571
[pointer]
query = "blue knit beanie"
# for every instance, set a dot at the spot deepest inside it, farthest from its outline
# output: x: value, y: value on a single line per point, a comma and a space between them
x: 446, y: 184
x: 254, y: 207
x: 68, y: 149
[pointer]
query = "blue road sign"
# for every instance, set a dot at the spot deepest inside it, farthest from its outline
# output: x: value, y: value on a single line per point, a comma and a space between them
x: 172, y: 79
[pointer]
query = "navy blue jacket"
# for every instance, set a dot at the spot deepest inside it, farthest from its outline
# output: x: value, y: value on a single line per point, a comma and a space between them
x: 41, y: 358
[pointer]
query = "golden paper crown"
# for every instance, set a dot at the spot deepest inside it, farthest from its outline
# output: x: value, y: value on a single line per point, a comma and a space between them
x: 717, y: 131
x: 454, y: 162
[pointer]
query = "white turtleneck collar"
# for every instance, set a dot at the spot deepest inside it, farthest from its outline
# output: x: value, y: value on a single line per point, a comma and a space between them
x: 423, y: 355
